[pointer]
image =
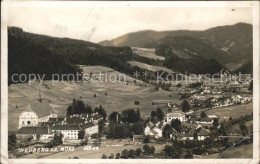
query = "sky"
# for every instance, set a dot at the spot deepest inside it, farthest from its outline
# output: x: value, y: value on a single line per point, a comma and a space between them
x: 96, y: 24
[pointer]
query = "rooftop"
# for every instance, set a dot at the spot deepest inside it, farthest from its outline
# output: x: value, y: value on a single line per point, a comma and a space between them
x: 33, y: 130
x: 75, y: 120
x: 66, y: 127
x: 42, y: 109
x: 87, y: 125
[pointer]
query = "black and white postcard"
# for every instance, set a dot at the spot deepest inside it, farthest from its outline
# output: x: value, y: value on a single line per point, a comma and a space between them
x: 130, y: 82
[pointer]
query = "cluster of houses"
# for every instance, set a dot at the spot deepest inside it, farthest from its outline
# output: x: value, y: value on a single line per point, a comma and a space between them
x: 40, y: 122
x: 219, y: 101
x: 194, y: 127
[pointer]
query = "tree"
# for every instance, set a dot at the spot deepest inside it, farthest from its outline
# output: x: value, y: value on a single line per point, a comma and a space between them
x: 148, y: 150
x: 81, y: 134
x: 124, y: 154
x: 153, y: 114
x: 175, y: 150
x: 114, y: 117
x: 138, y: 128
x: 101, y: 111
x: 117, y: 155
x: 243, y: 128
x: 122, y: 131
x: 146, y: 139
x: 57, y: 139
x: 160, y: 114
x: 129, y: 116
x: 224, y: 127
x: 189, y: 154
x: 203, y: 115
x: 138, y: 152
x: 138, y: 114
x: 176, y: 124
x: 215, y: 123
x: 12, y: 140
x: 250, y: 88
x: 167, y: 131
x: 185, y: 106
x: 111, y: 156
x: 104, y: 156
x: 101, y: 126
x: 154, y: 119
x: 78, y: 107
x: 208, y: 103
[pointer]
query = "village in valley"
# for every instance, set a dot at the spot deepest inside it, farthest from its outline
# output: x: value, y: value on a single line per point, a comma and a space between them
x: 194, y: 126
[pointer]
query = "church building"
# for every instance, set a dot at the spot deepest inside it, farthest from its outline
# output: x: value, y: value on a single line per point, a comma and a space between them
x: 37, y: 111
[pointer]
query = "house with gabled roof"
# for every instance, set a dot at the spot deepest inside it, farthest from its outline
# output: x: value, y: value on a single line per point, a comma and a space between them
x: 202, y: 133
x: 153, y: 130
x: 34, y: 132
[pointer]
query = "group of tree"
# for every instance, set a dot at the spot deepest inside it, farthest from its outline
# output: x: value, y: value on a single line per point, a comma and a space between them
x: 126, y: 116
x: 125, y: 124
x: 114, y: 117
x: 130, y: 116
x: 226, y: 127
x: 194, y: 85
x: 121, y: 130
x: 126, y: 154
x: 78, y: 107
x: 12, y: 142
x: 61, y: 54
x: 169, y: 128
x: 57, y: 140
x: 124, y: 130
x: 185, y: 106
x: 101, y: 111
x: 157, y: 115
x: 22, y: 58
x: 162, y: 85
x: 176, y: 150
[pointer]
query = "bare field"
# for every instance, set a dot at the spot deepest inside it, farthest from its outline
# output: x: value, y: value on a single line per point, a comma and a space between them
x: 149, y: 67
x: 243, y: 151
x: 147, y: 52
x: 233, y: 111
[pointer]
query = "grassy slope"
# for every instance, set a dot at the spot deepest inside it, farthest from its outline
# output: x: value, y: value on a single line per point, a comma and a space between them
x: 120, y: 96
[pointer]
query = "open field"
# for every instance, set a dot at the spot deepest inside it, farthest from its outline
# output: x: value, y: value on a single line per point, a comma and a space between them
x: 233, y: 111
x: 60, y: 95
x: 147, y: 52
x: 109, y: 147
x: 149, y: 67
x: 243, y: 151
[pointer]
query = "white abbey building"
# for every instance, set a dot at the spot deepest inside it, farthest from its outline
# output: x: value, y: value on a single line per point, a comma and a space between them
x: 35, y: 112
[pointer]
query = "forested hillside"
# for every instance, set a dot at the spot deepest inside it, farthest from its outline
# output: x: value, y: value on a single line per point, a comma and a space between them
x: 33, y: 53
